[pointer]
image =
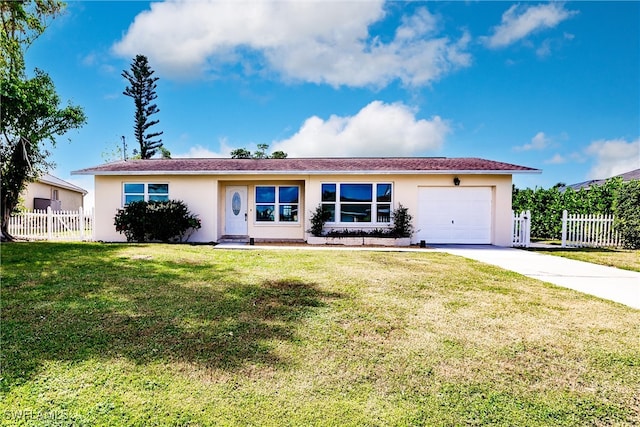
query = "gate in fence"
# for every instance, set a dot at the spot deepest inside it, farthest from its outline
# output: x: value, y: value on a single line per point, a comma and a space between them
x: 53, y: 225
x: 589, y: 231
x: 521, y: 229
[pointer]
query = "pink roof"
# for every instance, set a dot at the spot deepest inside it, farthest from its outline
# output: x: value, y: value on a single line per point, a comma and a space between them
x: 219, y: 166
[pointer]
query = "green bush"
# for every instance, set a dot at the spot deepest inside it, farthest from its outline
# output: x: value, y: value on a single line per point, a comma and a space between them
x: 627, y: 214
x: 163, y: 221
x: 131, y: 221
x: 318, y: 218
x: 402, y: 225
x: 546, y: 205
x: 402, y: 222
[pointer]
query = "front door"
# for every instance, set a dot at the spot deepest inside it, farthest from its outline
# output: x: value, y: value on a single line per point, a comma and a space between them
x: 236, y: 211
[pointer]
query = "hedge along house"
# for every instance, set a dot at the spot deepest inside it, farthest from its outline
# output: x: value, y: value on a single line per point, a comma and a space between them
x: 452, y: 200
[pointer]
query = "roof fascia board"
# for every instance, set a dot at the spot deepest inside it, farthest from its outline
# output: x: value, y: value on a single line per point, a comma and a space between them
x: 69, y: 187
x: 333, y: 172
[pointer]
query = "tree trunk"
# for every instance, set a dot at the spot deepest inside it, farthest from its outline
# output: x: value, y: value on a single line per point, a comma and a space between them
x: 4, y: 230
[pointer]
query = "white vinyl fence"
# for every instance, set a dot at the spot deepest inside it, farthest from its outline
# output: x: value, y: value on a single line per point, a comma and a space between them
x: 521, y: 229
x: 52, y: 225
x: 589, y: 230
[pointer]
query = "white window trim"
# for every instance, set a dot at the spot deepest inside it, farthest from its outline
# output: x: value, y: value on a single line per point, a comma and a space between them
x: 374, y: 204
x: 277, y: 205
x: 146, y: 190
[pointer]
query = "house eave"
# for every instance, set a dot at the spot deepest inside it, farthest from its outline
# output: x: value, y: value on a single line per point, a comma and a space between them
x: 314, y: 172
x: 60, y: 185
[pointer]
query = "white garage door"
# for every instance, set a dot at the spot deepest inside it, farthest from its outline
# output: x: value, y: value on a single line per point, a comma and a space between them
x: 455, y: 215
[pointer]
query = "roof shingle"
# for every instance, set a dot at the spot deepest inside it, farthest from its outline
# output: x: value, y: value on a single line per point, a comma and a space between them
x: 215, y: 166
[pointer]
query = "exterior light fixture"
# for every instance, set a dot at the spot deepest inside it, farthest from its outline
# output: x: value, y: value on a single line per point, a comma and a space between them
x: 456, y: 181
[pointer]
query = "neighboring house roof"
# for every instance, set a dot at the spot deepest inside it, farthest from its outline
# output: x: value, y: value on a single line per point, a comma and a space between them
x: 627, y: 176
x: 314, y: 166
x: 57, y: 182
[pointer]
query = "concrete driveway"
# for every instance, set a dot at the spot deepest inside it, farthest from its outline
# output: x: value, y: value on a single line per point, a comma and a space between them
x: 605, y: 282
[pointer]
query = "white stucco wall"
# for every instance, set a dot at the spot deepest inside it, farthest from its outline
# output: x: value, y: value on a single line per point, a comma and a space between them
x: 198, y: 192
x: 405, y: 191
x: 205, y: 196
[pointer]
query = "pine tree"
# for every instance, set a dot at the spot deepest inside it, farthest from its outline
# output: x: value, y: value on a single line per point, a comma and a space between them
x: 143, y: 91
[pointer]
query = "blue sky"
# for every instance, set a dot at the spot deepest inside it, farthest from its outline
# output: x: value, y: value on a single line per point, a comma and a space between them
x: 553, y: 86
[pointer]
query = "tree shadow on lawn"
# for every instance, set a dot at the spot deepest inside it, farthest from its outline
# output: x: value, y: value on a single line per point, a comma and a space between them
x: 99, y: 305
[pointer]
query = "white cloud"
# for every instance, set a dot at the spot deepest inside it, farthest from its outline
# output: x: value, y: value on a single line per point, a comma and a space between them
x: 544, y: 49
x: 200, y: 151
x: 613, y: 157
x: 539, y: 142
x: 319, y: 42
x: 519, y: 22
x: 557, y: 159
x: 378, y: 129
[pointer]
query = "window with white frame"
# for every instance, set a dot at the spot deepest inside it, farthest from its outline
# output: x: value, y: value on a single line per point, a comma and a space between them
x: 277, y: 203
x: 357, y: 202
x: 135, y: 191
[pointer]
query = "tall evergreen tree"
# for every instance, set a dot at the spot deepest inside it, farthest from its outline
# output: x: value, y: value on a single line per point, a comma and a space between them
x: 142, y: 88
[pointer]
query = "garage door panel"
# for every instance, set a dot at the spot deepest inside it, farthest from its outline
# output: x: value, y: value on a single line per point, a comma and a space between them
x: 455, y: 215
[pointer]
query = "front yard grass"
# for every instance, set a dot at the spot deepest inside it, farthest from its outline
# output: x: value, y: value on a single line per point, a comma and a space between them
x: 625, y: 259
x: 136, y: 335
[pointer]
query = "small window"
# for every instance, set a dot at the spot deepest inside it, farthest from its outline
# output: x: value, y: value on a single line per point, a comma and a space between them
x: 265, y: 213
x: 158, y: 192
x: 383, y: 193
x: 265, y: 194
x: 328, y: 192
x: 330, y: 210
x: 355, y: 213
x: 277, y: 203
x: 355, y: 192
x: 288, y: 201
x: 134, y: 192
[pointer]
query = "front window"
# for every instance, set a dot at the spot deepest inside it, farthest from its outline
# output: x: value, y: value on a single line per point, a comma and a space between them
x: 277, y: 203
x: 134, y: 192
x: 357, y: 202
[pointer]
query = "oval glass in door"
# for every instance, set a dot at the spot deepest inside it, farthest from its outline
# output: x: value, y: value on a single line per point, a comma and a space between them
x: 236, y: 203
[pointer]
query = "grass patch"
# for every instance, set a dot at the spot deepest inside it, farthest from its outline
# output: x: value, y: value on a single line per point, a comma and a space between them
x: 626, y: 259
x: 116, y: 334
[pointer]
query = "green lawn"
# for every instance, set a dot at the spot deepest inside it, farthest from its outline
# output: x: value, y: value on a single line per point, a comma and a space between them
x: 138, y: 335
x: 625, y: 259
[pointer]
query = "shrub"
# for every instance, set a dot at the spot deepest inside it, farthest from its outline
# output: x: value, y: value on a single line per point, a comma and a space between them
x: 131, y: 221
x: 546, y: 205
x: 402, y: 225
x: 318, y: 218
x: 627, y: 213
x: 402, y: 222
x: 164, y: 221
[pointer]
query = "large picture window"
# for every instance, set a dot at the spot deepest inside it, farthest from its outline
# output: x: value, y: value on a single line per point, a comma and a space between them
x: 357, y: 202
x: 277, y: 203
x: 133, y: 192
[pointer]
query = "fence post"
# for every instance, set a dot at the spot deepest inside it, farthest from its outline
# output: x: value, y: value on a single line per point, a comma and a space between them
x: 81, y: 222
x: 564, y: 228
x: 527, y: 229
x: 49, y: 223
x: 514, y: 229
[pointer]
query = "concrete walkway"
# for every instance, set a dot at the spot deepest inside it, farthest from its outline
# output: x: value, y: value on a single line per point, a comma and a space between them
x: 605, y: 282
